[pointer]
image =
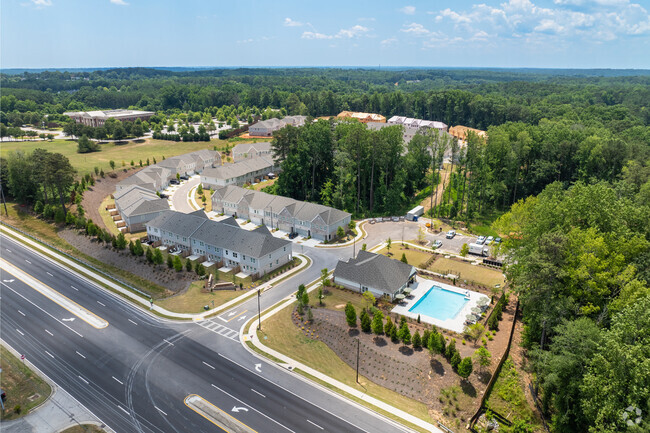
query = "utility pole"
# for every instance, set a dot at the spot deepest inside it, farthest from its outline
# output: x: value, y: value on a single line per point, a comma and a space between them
x: 4, y: 202
x: 358, y: 344
x: 259, y: 310
x: 354, y: 247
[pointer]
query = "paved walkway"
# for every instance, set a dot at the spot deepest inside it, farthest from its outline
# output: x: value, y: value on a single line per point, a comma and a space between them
x: 57, y: 413
x: 140, y: 300
x: 292, y: 364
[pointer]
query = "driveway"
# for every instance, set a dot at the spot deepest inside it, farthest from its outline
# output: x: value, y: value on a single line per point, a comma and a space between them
x: 178, y: 194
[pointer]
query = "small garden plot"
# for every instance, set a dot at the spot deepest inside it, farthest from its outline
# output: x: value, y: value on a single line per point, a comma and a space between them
x: 466, y: 271
x: 414, y: 256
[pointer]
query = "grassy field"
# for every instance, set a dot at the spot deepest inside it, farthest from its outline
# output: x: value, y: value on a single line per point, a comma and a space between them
x: 24, y: 388
x: 193, y: 299
x: 414, y: 256
x: 466, y: 271
x: 85, y: 162
x: 507, y: 398
x: 282, y: 335
x: 336, y: 299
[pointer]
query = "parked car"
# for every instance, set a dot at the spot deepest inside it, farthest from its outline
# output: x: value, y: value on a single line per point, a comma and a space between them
x: 497, y: 240
x: 174, y: 182
x: 395, y: 219
x: 436, y: 244
x: 372, y: 221
x: 451, y: 234
x: 184, y: 177
x: 489, y: 240
x: 480, y: 240
x: 293, y: 235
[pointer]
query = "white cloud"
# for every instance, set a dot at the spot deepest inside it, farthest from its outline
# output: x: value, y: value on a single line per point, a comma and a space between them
x: 352, y: 32
x: 408, y: 10
x: 315, y: 35
x: 41, y: 3
x: 387, y: 42
x: 246, y: 41
x: 119, y: 2
x: 288, y: 22
x: 415, y: 29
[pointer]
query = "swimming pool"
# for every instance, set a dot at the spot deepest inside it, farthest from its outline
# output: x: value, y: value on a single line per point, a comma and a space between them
x: 439, y: 303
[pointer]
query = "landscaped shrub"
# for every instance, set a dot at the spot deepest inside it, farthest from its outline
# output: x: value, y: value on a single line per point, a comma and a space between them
x: 350, y: 315
x: 455, y: 359
x: 365, y: 321
x: 417, y: 340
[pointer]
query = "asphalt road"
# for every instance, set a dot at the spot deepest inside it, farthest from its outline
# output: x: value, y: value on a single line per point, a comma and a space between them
x: 135, y: 373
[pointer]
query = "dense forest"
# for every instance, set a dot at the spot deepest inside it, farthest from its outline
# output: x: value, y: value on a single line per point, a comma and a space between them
x: 566, y: 164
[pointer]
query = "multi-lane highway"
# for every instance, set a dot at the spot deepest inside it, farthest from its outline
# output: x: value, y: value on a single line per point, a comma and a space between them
x: 136, y: 373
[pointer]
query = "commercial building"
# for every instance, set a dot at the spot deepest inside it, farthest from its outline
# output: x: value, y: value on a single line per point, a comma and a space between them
x: 417, y: 123
x: 255, y: 252
x: 383, y: 276
x: 293, y: 216
x: 98, y: 118
x: 252, y: 150
x: 362, y: 117
x: 238, y: 173
x: 266, y: 128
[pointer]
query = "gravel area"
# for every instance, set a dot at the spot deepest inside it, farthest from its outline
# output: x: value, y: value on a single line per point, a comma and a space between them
x: 161, y: 275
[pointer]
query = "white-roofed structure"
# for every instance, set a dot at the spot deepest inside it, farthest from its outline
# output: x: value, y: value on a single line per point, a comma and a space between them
x: 99, y: 117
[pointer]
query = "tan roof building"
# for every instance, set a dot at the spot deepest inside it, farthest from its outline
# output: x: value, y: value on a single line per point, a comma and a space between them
x: 362, y: 117
x: 460, y: 132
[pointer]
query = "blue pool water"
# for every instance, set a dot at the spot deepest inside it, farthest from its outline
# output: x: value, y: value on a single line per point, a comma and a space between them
x: 439, y: 303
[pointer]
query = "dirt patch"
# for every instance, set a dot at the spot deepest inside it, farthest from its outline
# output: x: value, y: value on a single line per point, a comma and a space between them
x: 160, y: 275
x: 98, y: 192
x: 339, y: 306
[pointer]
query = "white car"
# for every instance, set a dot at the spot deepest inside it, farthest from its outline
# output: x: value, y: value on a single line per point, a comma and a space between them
x: 451, y: 234
x: 436, y: 244
x: 480, y: 240
x: 489, y: 240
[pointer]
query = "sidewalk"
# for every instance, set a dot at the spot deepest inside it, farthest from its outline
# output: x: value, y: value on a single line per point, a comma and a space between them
x: 140, y: 300
x: 57, y: 413
x: 292, y: 364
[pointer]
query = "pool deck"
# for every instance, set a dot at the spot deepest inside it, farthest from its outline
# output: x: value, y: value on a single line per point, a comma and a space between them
x: 422, y: 286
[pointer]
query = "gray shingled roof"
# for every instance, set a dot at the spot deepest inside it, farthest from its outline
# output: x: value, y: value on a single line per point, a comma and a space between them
x: 241, y: 168
x: 375, y: 270
x: 252, y: 147
x: 136, y: 200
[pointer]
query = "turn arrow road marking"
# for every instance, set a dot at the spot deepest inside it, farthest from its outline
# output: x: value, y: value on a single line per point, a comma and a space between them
x: 258, y: 368
x: 237, y: 409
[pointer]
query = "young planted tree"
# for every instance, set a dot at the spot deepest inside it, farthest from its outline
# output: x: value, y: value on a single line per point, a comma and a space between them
x: 200, y: 269
x: 178, y: 265
x: 170, y: 261
x: 320, y: 296
x: 404, y: 333
x: 324, y: 280
x: 389, y: 244
x: 474, y: 332
x: 301, y: 291
x: 451, y: 349
x: 365, y: 321
x: 350, y: 315
x: 455, y: 360
x: 394, y: 334
x: 340, y: 232
x: 149, y: 255
x: 389, y: 326
x: 403, y: 259
x: 305, y: 299
x: 188, y: 265
x: 465, y: 368
x: 482, y: 357
x: 368, y: 296
x: 378, y: 323
x: 120, y: 241
x: 157, y: 257
x: 417, y: 340
x: 138, y: 248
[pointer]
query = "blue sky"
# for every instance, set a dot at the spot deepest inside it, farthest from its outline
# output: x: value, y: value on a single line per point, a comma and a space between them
x: 507, y: 33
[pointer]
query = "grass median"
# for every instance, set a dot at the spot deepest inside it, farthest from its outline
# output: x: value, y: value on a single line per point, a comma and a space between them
x: 24, y: 388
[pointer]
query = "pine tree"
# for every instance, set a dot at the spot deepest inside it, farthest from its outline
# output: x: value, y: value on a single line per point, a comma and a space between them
x: 388, y: 328
x: 405, y: 334
x: 157, y: 257
x: 417, y: 340
x: 365, y: 321
x: 178, y: 265
x: 170, y: 261
x: 149, y: 255
x: 378, y: 323
x: 455, y: 360
x: 393, y: 334
x: 465, y: 367
x: 451, y: 349
x: 350, y: 315
x: 200, y: 270
x: 188, y: 265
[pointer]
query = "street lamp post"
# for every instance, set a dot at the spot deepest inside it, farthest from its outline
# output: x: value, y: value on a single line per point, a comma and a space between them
x: 358, y: 344
x: 259, y: 310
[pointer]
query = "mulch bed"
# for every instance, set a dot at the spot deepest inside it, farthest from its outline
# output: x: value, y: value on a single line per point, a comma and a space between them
x: 161, y: 275
x: 414, y: 373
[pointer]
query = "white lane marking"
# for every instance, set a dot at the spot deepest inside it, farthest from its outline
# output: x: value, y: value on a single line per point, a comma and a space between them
x: 49, y: 354
x: 80, y: 354
x: 28, y: 261
x: 42, y: 310
x: 21, y: 313
x: 165, y: 340
x: 208, y: 365
x: 132, y: 322
x: 314, y: 424
x: 83, y: 380
x: 261, y: 413
x: 117, y: 380
x: 123, y: 410
x: 49, y: 274
x: 160, y: 410
x: 75, y: 288
x: 103, y: 305
x: 8, y: 249
x: 258, y: 393
x: 284, y: 389
x: 51, y: 335
x: 18, y: 331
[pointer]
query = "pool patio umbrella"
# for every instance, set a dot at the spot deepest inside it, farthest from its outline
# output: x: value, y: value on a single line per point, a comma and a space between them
x: 483, y: 301
x: 400, y: 296
x: 408, y: 291
x: 476, y: 310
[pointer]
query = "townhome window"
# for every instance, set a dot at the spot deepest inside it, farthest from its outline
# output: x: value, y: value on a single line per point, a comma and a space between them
x: 243, y: 257
x: 252, y: 260
x: 201, y: 243
x: 284, y: 249
x: 269, y: 256
x: 234, y: 254
x: 184, y: 239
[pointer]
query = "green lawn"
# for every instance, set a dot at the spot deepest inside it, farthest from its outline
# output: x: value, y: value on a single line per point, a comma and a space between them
x: 85, y: 162
x: 24, y: 388
x: 193, y: 299
x: 466, y: 271
x: 414, y: 256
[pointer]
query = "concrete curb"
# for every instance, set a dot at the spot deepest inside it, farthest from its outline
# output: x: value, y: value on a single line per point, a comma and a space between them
x: 360, y: 235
